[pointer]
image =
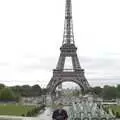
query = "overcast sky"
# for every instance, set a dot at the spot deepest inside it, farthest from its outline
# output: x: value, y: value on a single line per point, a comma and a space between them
x: 31, y: 33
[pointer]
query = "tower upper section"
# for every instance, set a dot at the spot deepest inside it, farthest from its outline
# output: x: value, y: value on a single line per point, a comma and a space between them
x: 68, y: 37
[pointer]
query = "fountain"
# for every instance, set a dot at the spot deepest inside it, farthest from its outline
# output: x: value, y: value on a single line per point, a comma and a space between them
x: 86, y: 110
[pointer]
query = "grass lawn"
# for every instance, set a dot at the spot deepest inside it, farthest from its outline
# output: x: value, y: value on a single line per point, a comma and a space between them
x: 115, y: 108
x: 14, y: 109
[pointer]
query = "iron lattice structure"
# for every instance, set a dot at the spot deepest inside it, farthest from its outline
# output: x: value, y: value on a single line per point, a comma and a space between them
x: 68, y: 49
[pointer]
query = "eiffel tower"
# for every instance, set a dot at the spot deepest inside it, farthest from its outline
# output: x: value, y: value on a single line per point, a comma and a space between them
x: 68, y: 49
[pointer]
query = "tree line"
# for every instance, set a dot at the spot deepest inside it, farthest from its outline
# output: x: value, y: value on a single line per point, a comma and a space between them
x: 15, y: 93
x: 107, y: 92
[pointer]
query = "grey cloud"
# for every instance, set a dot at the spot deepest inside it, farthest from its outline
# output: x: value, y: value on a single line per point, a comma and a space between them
x: 112, y: 54
x: 44, y: 64
x: 102, y: 70
x: 4, y: 64
x: 102, y: 82
x: 96, y: 63
x: 104, y: 64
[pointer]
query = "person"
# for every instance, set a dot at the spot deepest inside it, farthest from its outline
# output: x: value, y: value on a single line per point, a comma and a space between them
x: 59, y: 114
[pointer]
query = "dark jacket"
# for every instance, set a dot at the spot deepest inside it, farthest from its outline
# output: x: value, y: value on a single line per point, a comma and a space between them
x: 59, y: 114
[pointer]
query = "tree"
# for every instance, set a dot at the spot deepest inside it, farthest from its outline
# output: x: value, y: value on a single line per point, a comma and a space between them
x: 118, y: 87
x: 118, y: 90
x: 109, y: 92
x: 36, y: 90
x: 44, y: 91
x: 97, y: 90
x: 2, y: 86
x: 7, y: 94
x: 17, y: 92
x: 26, y: 91
x: 76, y: 92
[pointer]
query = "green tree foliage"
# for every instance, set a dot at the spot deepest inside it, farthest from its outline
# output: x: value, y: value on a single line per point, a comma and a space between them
x: 117, y: 115
x: 44, y: 91
x: 2, y: 86
x: 16, y: 92
x: 7, y: 94
x: 27, y: 91
x: 97, y: 91
x: 76, y: 92
x: 109, y: 92
x: 37, y: 90
x: 118, y: 91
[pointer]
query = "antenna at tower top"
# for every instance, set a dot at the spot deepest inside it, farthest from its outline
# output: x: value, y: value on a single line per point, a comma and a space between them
x: 68, y: 37
x: 68, y: 9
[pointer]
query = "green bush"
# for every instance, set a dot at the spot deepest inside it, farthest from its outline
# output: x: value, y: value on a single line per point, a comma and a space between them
x: 35, y: 111
x: 117, y: 115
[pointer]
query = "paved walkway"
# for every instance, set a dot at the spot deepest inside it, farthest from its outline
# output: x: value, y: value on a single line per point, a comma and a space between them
x: 25, y: 118
x: 17, y: 118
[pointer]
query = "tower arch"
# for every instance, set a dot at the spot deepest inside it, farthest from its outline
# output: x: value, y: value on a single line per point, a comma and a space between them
x: 65, y: 80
